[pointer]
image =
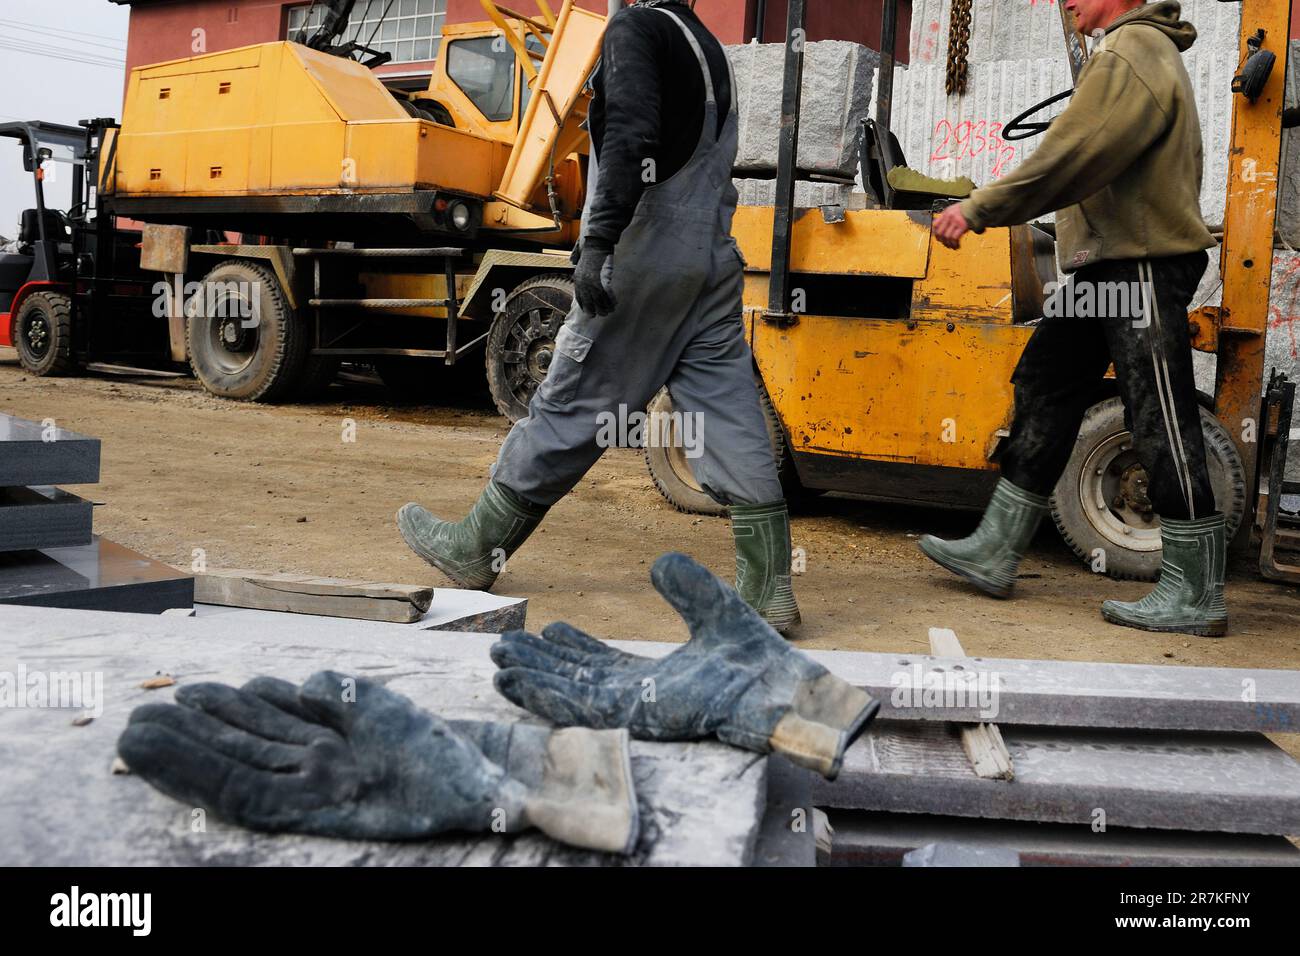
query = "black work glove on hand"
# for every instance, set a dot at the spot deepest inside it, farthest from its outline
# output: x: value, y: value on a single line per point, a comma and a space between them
x: 347, y: 757
x: 736, y: 678
x: 593, y: 278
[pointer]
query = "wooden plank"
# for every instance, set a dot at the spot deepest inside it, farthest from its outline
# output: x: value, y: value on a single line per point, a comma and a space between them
x: 701, y: 804
x: 453, y: 609
x: 982, y: 742
x: 306, y: 594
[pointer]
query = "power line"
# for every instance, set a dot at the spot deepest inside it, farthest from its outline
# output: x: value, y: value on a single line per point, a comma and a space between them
x: 27, y: 24
x: 57, y: 54
x: 48, y: 50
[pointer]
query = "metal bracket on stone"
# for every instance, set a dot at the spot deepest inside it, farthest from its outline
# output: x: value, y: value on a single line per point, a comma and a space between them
x: 982, y: 742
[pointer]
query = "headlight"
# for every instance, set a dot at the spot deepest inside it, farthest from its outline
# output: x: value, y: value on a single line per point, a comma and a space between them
x: 460, y: 216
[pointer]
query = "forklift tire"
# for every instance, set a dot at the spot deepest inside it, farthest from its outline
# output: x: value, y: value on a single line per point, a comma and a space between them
x: 522, y: 340
x: 1100, y: 504
x: 671, y: 471
x: 261, y: 360
x: 42, y: 333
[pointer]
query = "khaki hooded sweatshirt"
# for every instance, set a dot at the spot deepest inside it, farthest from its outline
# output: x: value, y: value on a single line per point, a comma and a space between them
x: 1122, y: 163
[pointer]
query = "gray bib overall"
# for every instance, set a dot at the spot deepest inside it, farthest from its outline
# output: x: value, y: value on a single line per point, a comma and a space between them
x: 677, y: 281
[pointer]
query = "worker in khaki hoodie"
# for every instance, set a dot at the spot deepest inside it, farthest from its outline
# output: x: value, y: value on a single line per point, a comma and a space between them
x: 1121, y: 166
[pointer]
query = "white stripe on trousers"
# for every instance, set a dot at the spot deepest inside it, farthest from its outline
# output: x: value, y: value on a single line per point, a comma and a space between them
x: 1164, y: 388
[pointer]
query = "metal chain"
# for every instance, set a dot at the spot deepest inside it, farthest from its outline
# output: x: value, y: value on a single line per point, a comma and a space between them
x: 958, y: 47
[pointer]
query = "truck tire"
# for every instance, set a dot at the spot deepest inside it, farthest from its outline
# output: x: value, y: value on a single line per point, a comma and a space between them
x: 522, y: 340
x: 671, y: 471
x: 252, y: 346
x: 1100, y: 504
x: 42, y: 333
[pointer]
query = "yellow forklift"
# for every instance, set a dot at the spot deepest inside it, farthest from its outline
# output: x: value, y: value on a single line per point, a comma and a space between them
x: 886, y: 358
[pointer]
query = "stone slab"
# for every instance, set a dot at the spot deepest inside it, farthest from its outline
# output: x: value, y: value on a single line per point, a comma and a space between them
x: 43, y: 517
x: 1234, y: 783
x: 700, y: 803
x: 807, y: 194
x: 835, y: 96
x: 787, y: 836
x: 101, y: 575
x: 1074, y: 694
x: 951, y: 853
x: 451, y: 609
x: 882, y: 839
x: 32, y: 453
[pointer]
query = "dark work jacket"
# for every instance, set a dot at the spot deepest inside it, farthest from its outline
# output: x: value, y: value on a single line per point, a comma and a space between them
x: 648, y: 105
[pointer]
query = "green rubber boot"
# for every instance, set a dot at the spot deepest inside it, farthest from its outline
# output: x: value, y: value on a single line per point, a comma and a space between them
x: 1188, y: 598
x: 989, y: 557
x: 762, y: 534
x: 472, y: 552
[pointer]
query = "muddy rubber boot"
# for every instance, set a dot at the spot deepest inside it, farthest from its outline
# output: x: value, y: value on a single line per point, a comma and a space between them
x: 989, y: 557
x: 762, y: 534
x: 472, y: 552
x: 1188, y: 598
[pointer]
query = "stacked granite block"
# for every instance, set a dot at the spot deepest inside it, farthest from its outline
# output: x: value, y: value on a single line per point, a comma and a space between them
x: 49, y: 554
x: 835, y: 97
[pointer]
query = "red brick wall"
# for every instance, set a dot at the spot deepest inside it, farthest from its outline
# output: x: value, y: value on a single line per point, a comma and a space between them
x: 161, y: 31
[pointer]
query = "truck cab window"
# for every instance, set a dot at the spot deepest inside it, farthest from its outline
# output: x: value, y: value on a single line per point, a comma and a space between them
x: 486, y: 75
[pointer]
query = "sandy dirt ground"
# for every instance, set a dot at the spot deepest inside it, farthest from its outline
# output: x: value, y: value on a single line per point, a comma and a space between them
x: 277, y: 488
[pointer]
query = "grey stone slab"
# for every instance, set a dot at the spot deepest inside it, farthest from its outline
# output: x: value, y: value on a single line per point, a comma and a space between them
x: 787, y: 836
x: 960, y: 854
x: 882, y: 839
x: 35, y: 453
x: 43, y: 517
x: 836, y: 94
x: 807, y: 194
x: 1235, y: 783
x: 700, y: 803
x: 1073, y: 694
x: 101, y: 575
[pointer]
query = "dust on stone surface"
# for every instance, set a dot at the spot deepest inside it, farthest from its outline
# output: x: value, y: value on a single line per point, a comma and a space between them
x: 182, y: 470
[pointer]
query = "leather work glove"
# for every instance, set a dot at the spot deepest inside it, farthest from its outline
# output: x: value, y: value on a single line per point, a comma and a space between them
x: 736, y: 678
x: 346, y: 757
x: 593, y: 278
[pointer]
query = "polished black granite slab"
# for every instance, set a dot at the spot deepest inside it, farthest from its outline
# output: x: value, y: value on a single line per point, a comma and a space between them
x: 43, y: 518
x: 32, y: 453
x: 100, y: 576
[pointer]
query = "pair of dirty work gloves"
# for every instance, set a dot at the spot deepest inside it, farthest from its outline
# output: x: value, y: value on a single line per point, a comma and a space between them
x: 346, y: 757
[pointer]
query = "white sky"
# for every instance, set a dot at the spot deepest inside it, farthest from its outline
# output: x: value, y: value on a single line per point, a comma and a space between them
x: 37, y: 81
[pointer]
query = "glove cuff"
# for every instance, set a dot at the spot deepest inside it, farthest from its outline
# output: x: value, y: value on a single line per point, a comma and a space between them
x: 585, y: 794
x: 826, y: 716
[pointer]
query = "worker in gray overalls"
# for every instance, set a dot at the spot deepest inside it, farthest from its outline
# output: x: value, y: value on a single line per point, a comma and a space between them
x: 658, y: 301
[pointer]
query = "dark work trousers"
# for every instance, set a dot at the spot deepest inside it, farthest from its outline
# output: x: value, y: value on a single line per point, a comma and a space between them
x: 1132, y: 312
